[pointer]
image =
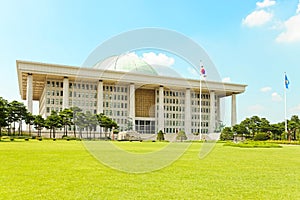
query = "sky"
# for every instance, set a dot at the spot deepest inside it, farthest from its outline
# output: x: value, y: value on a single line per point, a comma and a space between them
x: 250, y: 42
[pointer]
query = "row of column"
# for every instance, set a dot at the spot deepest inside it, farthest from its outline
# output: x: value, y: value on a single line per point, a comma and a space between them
x: 160, y: 124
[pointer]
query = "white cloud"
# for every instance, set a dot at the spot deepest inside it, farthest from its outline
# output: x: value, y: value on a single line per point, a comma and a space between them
x: 265, y: 3
x: 292, y: 30
x: 257, y: 18
x: 226, y: 80
x: 256, y: 108
x: 266, y: 89
x: 276, y: 97
x: 298, y: 9
x: 158, y: 59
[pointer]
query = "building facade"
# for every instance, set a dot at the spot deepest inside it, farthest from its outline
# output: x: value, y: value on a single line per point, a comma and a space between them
x: 145, y: 102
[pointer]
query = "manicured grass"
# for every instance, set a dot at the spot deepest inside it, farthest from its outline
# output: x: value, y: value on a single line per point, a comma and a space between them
x: 65, y: 170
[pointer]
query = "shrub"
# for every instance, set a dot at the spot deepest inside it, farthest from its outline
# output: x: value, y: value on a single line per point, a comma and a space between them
x: 160, y: 136
x: 261, y: 137
x: 181, y: 136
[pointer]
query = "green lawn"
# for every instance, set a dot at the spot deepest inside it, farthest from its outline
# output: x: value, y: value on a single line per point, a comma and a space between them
x: 65, y: 170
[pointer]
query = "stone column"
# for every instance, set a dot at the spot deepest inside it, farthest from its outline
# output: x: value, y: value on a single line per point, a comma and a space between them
x: 29, y: 94
x: 65, y: 93
x: 100, y: 97
x: 161, y: 120
x: 218, y: 110
x: 233, y: 109
x: 132, y: 104
x: 212, y: 123
x: 187, y: 111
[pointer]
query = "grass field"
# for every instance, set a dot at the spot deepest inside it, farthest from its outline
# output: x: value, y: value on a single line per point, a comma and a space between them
x: 65, y: 170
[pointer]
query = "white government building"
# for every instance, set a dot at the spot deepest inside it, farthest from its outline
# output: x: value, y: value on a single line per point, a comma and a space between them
x: 128, y: 92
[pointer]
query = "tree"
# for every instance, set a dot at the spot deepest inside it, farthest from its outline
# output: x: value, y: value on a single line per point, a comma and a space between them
x: 264, y: 125
x: 39, y: 123
x: 277, y: 130
x: 3, y: 114
x: 99, y: 120
x: 181, y: 136
x: 66, y: 116
x: 160, y: 136
x: 29, y: 119
x: 91, y: 122
x: 240, y: 129
x: 107, y: 123
x: 293, y: 125
x: 80, y: 121
x: 16, y: 113
x: 75, y: 110
x: 226, y: 134
x: 52, y: 122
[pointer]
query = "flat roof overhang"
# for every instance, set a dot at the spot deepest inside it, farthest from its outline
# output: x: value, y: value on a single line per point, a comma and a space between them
x: 43, y: 71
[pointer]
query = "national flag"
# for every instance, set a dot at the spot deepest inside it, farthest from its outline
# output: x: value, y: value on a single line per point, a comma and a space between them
x: 286, y: 82
x: 202, y: 71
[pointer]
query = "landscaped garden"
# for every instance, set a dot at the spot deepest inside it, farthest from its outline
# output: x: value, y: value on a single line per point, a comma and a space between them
x: 65, y: 170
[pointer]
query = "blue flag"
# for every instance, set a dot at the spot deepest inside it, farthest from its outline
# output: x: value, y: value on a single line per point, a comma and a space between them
x: 286, y: 82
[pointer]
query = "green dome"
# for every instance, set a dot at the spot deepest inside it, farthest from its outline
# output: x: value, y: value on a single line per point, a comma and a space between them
x: 126, y: 63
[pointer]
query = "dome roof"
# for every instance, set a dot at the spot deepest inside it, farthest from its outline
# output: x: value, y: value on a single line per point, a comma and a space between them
x: 126, y: 63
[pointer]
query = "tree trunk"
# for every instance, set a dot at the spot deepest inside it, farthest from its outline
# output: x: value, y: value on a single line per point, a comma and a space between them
x: 53, y: 132
x: 74, y: 129
x: 14, y: 129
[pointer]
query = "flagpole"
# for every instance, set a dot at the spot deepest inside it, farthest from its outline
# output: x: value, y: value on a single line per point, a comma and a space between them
x: 285, y: 118
x: 200, y: 102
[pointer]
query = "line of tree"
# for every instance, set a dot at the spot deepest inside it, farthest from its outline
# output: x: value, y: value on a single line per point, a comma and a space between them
x: 12, y: 113
x: 253, y: 127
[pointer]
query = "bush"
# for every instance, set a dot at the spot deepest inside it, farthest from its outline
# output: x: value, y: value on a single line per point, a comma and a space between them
x: 181, y: 136
x: 160, y: 136
x: 261, y: 137
x: 253, y: 144
x: 70, y: 138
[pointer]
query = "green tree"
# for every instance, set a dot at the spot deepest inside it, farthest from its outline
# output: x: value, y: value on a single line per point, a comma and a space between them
x: 75, y: 110
x: 240, y: 130
x: 66, y: 116
x: 91, y: 123
x: 80, y: 122
x: 277, y: 130
x: 226, y: 134
x: 29, y: 119
x: 39, y: 124
x: 107, y: 123
x: 160, y: 136
x: 293, y: 126
x: 16, y: 114
x: 181, y: 136
x: 3, y: 114
x: 52, y: 122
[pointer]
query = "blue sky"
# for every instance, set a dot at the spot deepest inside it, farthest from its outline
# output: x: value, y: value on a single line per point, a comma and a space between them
x: 251, y: 42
